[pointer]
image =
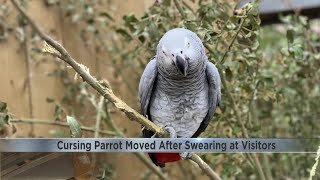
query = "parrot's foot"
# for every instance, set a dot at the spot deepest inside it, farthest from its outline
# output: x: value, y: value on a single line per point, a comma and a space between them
x: 172, y: 132
x: 185, y: 155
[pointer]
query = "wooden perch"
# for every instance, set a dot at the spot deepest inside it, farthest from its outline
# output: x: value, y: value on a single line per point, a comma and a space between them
x: 106, y: 92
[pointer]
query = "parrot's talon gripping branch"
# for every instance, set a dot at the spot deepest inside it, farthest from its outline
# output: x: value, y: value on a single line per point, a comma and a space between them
x: 185, y: 155
x: 171, y: 131
x: 107, y: 92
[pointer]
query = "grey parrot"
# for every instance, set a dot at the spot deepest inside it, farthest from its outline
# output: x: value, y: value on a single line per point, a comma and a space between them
x: 179, y: 89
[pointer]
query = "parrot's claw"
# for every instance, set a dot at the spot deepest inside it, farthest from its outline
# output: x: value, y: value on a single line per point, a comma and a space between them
x: 185, y: 155
x: 172, y: 132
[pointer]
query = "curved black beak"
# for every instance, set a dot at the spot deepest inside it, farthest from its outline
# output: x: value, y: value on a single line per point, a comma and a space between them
x: 181, y: 64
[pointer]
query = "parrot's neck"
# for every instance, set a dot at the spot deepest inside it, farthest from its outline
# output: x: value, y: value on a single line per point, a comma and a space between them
x: 192, y: 82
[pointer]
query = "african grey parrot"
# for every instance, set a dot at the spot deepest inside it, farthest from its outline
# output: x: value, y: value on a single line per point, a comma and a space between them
x: 179, y: 89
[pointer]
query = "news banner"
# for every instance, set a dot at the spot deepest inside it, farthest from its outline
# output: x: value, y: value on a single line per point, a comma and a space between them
x: 210, y: 145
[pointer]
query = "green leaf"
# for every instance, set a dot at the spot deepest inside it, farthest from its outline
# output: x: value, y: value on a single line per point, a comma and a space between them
x: 255, y: 45
x: 105, y: 14
x: 142, y: 38
x: 76, y: 18
x: 36, y: 50
x: 166, y: 3
x: 290, y: 36
x: 129, y: 20
x: 255, y: 8
x: 303, y: 20
x: 91, y: 28
x: 229, y: 74
x: 49, y: 100
x: 269, y: 81
x: 4, y: 119
x: 191, y: 25
x: 3, y: 106
x: 57, y: 111
x: 247, y: 88
x: 90, y: 21
x: 231, y: 26
x: 58, y: 133
x: 236, y: 130
x: 124, y: 33
x: 75, y: 127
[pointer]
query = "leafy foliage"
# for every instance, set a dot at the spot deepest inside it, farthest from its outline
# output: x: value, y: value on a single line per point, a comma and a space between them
x: 271, y: 90
x: 74, y: 127
x: 4, y: 117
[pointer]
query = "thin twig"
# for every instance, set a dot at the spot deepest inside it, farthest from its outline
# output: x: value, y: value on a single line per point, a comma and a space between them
x: 188, y: 7
x: 99, y: 108
x: 27, y: 82
x: 109, y: 121
x: 313, y: 170
x: 266, y: 165
x: 150, y: 165
x: 189, y: 171
x: 232, y: 41
x: 106, y: 91
x: 176, y: 3
x: 98, y: 118
x: 205, y: 167
x: 58, y: 123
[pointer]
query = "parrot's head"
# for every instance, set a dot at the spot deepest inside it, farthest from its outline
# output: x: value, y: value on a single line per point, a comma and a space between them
x: 179, y: 52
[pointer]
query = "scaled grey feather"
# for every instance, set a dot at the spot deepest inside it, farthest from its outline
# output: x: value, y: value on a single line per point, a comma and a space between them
x: 146, y: 85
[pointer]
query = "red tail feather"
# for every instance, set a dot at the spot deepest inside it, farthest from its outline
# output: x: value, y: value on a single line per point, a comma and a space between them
x: 167, y: 157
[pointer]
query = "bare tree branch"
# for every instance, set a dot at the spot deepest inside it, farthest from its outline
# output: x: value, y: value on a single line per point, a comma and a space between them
x: 98, y: 119
x: 58, y: 123
x: 28, y: 83
x: 107, y: 92
x: 205, y: 167
x: 99, y: 107
x: 150, y: 165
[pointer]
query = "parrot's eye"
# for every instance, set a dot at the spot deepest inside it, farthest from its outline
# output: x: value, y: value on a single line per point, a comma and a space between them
x: 181, y: 52
x: 164, y: 53
x: 172, y: 55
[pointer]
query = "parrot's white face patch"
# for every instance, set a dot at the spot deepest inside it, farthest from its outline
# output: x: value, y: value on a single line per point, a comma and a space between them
x: 167, y: 56
x: 164, y: 50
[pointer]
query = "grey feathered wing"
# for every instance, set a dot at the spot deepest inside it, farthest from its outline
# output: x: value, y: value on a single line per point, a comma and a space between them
x: 146, y: 85
x: 214, y: 84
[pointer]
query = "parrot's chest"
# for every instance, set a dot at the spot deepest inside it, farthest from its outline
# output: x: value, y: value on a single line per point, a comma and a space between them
x: 183, y: 110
